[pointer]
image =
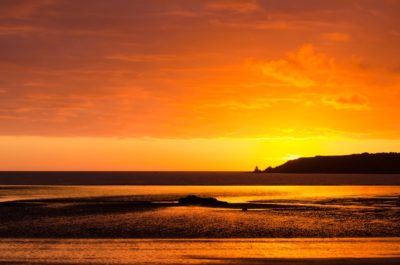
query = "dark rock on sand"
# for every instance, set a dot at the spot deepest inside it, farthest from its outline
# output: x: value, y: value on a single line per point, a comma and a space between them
x: 195, y: 200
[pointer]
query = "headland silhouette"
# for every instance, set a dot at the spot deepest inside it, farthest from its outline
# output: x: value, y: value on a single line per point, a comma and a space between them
x: 365, y: 163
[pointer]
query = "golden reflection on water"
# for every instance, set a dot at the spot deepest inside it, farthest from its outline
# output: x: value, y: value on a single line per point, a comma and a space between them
x: 228, y: 193
x: 193, y: 251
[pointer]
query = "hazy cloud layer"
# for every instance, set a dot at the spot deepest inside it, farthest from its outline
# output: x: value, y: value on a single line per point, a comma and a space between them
x: 198, y: 68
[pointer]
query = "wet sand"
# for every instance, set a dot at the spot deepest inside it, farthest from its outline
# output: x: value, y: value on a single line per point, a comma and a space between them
x: 320, y: 261
x: 347, y: 251
x: 282, y: 225
x: 124, y: 217
x: 244, y: 261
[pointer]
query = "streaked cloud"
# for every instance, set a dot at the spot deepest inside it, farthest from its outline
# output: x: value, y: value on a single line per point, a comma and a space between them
x: 23, y: 8
x: 195, y: 68
x: 356, y: 102
x: 143, y: 58
x: 257, y: 25
x: 301, y: 68
x: 337, y: 36
x: 234, y: 5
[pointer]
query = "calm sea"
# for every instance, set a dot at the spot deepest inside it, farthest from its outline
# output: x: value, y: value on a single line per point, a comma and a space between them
x: 192, y: 178
x: 286, y: 193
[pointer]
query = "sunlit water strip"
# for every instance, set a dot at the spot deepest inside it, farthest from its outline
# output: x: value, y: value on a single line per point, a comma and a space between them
x: 189, y: 251
x: 227, y: 193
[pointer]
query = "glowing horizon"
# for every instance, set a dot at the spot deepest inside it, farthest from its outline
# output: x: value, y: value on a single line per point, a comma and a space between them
x: 195, y: 85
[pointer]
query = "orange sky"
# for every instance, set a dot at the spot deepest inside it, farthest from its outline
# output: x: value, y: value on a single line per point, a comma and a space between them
x: 195, y: 85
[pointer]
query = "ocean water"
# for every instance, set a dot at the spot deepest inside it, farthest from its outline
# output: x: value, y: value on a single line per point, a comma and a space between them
x: 303, y: 194
x: 191, y: 178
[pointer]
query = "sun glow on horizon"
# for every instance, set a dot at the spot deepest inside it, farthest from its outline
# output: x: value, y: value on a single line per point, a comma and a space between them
x: 152, y: 154
x: 291, y: 157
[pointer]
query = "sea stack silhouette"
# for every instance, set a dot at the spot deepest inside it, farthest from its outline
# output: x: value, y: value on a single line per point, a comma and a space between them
x: 365, y: 163
x: 257, y: 170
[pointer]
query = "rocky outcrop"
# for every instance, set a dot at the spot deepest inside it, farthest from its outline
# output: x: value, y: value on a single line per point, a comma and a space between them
x: 195, y: 200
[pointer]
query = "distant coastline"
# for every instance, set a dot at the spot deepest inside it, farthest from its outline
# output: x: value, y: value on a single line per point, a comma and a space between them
x: 365, y: 163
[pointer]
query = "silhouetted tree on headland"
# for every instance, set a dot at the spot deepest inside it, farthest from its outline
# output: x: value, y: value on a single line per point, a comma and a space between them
x: 380, y: 163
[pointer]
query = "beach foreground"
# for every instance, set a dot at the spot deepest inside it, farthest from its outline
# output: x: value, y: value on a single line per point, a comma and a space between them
x: 345, y: 251
x: 282, y: 225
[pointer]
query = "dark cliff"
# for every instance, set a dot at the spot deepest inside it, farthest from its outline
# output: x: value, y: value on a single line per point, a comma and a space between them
x: 381, y: 163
